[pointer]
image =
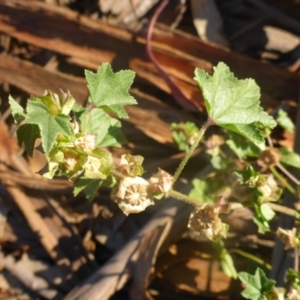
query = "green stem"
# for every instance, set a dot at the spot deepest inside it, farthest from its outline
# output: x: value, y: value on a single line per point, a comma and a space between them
x: 283, y: 209
x: 205, y: 126
x: 184, y: 198
x: 251, y: 257
x: 117, y: 174
x: 283, y: 180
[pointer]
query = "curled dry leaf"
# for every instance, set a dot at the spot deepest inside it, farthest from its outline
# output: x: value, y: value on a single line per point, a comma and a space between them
x: 131, y: 194
x: 288, y: 237
x: 294, y: 294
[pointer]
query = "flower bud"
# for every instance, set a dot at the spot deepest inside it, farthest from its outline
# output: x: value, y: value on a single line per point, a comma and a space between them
x: 268, y: 188
x: 131, y: 165
x: 161, y: 182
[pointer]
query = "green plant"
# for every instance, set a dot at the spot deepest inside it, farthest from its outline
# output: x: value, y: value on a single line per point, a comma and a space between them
x: 76, y: 140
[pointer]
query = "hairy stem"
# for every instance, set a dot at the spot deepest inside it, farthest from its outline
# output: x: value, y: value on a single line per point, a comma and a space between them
x: 203, y: 129
x: 185, y: 198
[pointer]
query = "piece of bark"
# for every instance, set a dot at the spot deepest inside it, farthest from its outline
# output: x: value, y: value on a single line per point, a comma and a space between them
x: 32, y: 282
x: 208, y: 22
x: 115, y: 273
x: 283, y: 259
x: 63, y: 31
x: 148, y: 250
x: 34, y: 80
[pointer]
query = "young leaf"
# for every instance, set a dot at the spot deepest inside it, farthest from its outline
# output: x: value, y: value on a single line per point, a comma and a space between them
x: 109, y: 90
x: 89, y: 186
x: 262, y: 225
x: 110, y: 134
x: 263, y: 213
x: 50, y: 126
x: 284, y: 121
x: 183, y: 134
x: 289, y: 157
x: 17, y: 110
x: 233, y: 103
x: 27, y: 135
x: 241, y: 146
x: 267, y: 212
x: 204, y: 190
x: 258, y: 286
x: 226, y: 260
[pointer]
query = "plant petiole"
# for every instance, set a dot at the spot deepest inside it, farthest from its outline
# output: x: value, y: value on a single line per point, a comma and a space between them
x: 199, y: 137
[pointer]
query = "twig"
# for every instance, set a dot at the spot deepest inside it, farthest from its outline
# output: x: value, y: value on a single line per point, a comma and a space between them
x: 175, y: 91
x: 288, y: 174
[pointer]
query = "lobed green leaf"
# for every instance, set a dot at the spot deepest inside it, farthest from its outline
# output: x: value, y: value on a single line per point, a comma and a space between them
x: 50, y: 126
x: 109, y: 90
x: 285, y: 121
x: 233, y: 103
x: 258, y: 286
x: 17, y: 110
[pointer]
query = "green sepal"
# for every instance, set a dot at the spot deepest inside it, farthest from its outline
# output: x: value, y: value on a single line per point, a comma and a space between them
x: 101, y: 158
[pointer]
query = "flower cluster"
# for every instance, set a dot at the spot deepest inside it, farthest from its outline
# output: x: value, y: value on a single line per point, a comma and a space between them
x: 133, y: 193
x: 77, y: 156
